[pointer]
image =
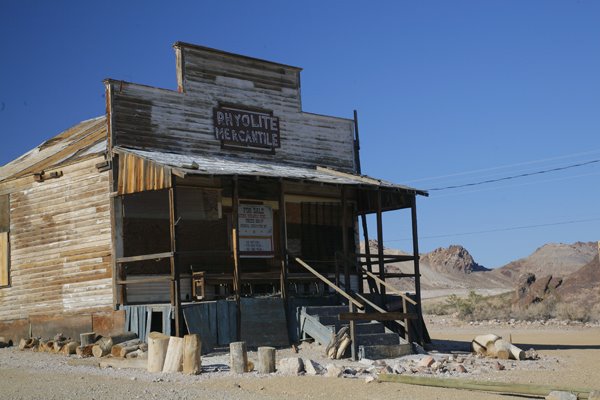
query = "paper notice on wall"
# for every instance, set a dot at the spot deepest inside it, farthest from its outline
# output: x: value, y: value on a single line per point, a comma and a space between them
x: 256, y: 231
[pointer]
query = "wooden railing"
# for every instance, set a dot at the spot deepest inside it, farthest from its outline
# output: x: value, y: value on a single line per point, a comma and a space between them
x: 332, y: 285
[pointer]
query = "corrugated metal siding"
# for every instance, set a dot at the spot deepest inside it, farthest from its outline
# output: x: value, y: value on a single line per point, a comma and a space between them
x: 155, y: 119
x: 137, y: 175
x: 157, y: 292
x: 60, y: 244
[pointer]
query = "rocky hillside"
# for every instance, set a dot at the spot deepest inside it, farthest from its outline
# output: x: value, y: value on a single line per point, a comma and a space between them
x: 556, y: 259
x: 454, y: 259
x: 583, y: 285
x: 445, y: 268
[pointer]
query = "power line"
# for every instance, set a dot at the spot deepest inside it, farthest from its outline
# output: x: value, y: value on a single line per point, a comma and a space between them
x: 545, y: 171
x: 513, y: 228
x: 471, y: 172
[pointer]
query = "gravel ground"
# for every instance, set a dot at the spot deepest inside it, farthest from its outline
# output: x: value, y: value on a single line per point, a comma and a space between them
x: 569, y: 355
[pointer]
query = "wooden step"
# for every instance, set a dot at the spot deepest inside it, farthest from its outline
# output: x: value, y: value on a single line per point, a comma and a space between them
x: 378, y: 352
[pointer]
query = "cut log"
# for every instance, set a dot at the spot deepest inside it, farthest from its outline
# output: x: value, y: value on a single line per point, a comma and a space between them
x: 174, y: 357
x: 481, y: 343
x: 116, y: 349
x: 48, y: 346
x: 238, y: 357
x: 58, y: 345
x: 504, y: 350
x: 135, y: 354
x: 158, y: 344
x: 192, y: 361
x: 85, y: 351
x: 87, y: 338
x: 22, y: 344
x: 69, y: 348
x: 103, y: 345
x: 266, y: 360
x: 342, y: 347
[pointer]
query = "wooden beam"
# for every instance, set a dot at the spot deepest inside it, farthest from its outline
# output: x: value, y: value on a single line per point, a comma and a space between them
x: 144, y: 257
x: 390, y: 287
x: 331, y: 284
x: 415, y: 240
x: 144, y: 279
x: 175, y: 273
x: 378, y: 316
x: 236, y: 256
x: 380, y: 249
x: 485, y: 386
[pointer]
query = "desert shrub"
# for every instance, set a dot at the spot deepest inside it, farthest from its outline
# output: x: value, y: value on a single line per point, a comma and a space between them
x: 545, y: 309
x: 437, y: 309
x: 572, y: 312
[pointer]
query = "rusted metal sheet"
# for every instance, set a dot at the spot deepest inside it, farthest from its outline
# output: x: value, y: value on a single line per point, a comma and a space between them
x: 137, y: 174
x: 108, y: 323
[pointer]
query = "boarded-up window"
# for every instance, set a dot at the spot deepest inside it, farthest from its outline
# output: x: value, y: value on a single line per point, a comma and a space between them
x: 4, y: 229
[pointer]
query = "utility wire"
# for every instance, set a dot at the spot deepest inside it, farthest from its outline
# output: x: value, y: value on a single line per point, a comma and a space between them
x: 506, y: 178
x: 475, y: 171
x: 513, y: 228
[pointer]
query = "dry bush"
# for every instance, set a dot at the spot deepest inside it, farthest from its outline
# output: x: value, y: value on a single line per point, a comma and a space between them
x: 572, y: 312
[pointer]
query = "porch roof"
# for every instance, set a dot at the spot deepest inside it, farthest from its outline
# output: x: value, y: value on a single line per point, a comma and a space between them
x: 184, y: 165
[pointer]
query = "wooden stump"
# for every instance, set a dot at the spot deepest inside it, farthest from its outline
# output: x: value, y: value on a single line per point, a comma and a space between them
x: 158, y: 344
x: 174, y: 357
x: 266, y: 360
x: 238, y: 357
x: 87, y: 338
x: 104, y: 345
x: 69, y: 348
x: 117, y: 348
x: 84, y: 351
x: 192, y: 361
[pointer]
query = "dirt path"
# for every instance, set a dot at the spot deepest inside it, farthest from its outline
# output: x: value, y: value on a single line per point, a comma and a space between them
x: 570, y: 356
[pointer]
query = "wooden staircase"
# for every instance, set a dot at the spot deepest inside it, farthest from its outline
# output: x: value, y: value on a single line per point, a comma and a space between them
x: 373, y: 340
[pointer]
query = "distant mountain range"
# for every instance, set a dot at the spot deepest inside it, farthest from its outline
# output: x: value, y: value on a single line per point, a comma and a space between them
x: 454, y: 268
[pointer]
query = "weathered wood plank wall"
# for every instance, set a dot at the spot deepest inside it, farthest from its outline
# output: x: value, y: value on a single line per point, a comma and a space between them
x: 149, y: 118
x: 60, y: 237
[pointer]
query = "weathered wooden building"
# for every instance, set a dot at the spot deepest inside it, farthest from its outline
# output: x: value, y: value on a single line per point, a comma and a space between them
x: 220, y: 207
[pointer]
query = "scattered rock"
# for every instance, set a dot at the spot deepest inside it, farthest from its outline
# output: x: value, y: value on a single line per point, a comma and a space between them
x: 531, y: 354
x: 499, y: 367
x: 557, y: 395
x: 370, y: 379
x: 312, y: 367
x: 418, y: 349
x: 426, y: 361
x: 594, y: 395
x: 291, y: 366
x: 398, y: 368
x: 333, y: 371
x: 460, y: 368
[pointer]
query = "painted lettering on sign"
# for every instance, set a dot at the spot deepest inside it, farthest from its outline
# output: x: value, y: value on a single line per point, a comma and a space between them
x: 256, y: 231
x: 246, y: 128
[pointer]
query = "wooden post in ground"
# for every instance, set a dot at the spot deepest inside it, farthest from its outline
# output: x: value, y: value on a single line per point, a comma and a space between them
x: 266, y: 360
x: 158, y: 344
x: 238, y: 357
x: 192, y: 361
x: 174, y: 356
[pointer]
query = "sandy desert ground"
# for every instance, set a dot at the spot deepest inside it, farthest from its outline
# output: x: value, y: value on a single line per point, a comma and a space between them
x: 570, y: 356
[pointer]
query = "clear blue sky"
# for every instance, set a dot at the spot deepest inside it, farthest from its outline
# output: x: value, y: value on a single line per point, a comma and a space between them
x: 442, y: 88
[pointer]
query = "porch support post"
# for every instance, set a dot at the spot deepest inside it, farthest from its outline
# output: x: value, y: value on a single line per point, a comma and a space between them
x: 236, y: 257
x: 415, y: 239
x: 283, y: 242
x: 380, y: 248
x: 175, y: 273
x: 345, y: 240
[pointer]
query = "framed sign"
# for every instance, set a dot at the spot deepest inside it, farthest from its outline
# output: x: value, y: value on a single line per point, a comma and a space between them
x: 255, y: 231
x: 240, y: 127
